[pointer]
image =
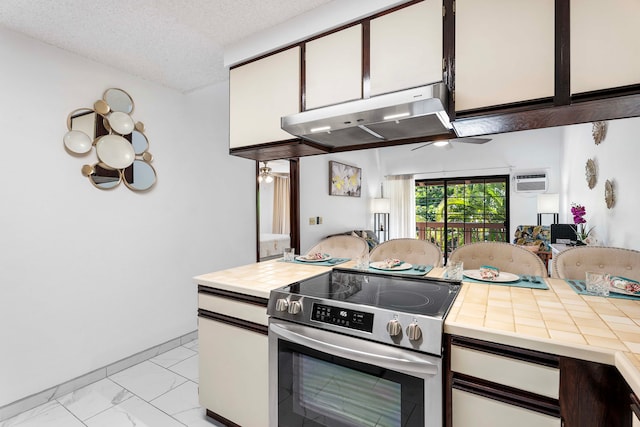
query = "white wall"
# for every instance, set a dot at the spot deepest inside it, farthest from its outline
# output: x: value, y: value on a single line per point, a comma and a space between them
x: 617, y: 159
x: 505, y: 154
x: 339, y: 213
x: 89, y: 276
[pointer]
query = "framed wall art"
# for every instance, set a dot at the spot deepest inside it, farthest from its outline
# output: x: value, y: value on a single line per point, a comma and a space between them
x: 344, y: 180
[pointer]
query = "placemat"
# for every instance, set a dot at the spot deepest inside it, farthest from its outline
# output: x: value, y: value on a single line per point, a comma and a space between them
x: 580, y: 288
x: 411, y: 272
x: 328, y: 263
x: 518, y: 284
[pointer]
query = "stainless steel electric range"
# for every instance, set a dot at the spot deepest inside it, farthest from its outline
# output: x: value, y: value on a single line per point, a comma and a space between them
x: 353, y: 348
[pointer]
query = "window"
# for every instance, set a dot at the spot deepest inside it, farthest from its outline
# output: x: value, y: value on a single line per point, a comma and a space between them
x: 454, y: 211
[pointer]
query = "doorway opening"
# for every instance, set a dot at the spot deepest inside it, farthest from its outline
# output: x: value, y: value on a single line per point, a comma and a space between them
x: 451, y: 212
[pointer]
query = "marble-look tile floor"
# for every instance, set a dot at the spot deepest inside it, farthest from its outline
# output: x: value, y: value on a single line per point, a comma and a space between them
x: 159, y: 392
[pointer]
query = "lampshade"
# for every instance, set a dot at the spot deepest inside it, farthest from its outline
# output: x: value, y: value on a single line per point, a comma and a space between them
x: 380, y: 205
x: 548, y: 203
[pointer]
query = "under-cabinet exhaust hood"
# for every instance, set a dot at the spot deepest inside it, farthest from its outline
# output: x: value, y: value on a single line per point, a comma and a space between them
x: 405, y: 114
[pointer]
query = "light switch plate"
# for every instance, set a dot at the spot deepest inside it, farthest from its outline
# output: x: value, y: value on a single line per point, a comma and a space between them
x: 312, y: 220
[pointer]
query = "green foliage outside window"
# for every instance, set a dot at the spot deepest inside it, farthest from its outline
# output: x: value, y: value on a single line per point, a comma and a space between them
x: 468, y: 202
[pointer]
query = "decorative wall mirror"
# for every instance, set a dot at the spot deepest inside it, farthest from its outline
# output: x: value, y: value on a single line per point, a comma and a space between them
x: 591, y: 173
x: 599, y: 132
x: 609, y: 194
x: 277, y: 208
x: 121, y: 146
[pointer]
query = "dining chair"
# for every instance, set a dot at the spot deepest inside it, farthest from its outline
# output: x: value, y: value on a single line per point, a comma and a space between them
x: 413, y: 251
x: 506, y: 256
x: 342, y: 247
x: 574, y: 262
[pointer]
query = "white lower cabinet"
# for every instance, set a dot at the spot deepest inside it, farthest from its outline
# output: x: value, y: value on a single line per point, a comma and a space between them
x: 468, y: 409
x: 494, y: 385
x: 234, y: 372
x: 530, y: 377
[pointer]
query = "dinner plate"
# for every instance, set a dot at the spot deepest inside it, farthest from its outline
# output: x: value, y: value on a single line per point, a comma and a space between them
x: 622, y: 291
x: 381, y: 265
x: 303, y: 258
x: 615, y: 290
x: 503, y: 277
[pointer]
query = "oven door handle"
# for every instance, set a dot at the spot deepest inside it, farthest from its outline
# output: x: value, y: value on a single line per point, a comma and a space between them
x: 358, y: 350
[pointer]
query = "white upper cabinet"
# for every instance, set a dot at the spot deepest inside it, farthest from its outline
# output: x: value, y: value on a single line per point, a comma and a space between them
x: 504, y: 52
x: 605, y: 44
x: 334, y: 68
x: 406, y: 48
x: 260, y: 93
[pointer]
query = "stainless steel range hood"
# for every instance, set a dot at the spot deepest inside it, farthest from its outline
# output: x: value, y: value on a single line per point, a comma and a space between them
x: 409, y: 113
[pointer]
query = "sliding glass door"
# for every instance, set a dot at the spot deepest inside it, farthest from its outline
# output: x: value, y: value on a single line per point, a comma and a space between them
x: 454, y: 211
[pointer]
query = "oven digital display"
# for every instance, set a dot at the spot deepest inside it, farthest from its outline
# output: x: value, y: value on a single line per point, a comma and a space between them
x: 344, y: 317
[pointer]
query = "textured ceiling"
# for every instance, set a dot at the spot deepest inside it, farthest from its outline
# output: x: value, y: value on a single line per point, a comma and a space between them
x: 177, y: 43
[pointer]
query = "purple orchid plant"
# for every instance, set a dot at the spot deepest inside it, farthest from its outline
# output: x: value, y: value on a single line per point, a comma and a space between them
x: 578, y: 212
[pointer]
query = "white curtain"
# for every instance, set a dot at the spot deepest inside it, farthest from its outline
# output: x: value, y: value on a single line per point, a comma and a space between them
x: 281, y: 221
x: 400, y: 190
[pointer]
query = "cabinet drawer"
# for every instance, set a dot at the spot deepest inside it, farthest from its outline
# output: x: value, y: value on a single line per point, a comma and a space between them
x: 229, y: 307
x: 234, y: 380
x: 514, y: 373
x: 469, y: 409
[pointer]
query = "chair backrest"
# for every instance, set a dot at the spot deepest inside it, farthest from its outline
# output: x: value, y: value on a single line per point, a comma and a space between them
x: 342, y: 247
x: 573, y: 263
x: 413, y: 251
x: 506, y: 256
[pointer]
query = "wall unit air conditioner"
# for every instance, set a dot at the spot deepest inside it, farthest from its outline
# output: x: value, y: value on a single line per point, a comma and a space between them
x: 531, y: 182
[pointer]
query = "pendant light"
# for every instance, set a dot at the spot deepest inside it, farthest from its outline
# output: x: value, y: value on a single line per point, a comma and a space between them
x: 265, y: 174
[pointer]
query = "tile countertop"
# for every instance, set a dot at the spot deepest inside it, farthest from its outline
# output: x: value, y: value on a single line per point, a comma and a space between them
x: 260, y: 278
x: 557, y: 321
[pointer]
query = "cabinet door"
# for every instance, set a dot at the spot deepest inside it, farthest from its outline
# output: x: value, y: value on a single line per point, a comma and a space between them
x: 504, y: 52
x: 531, y: 377
x: 334, y: 68
x: 259, y: 94
x: 234, y: 372
x: 468, y: 409
x: 406, y: 48
x: 605, y: 52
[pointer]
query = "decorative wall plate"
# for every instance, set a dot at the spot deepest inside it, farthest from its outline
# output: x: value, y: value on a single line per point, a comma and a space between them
x: 591, y: 173
x: 609, y: 195
x: 599, y: 132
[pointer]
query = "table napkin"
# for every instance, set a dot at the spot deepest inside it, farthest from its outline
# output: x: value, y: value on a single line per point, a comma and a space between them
x: 580, y: 287
x: 328, y: 263
x: 410, y: 272
x: 518, y: 284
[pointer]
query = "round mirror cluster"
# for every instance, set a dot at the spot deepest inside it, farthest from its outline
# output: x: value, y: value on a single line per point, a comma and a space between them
x: 121, y: 145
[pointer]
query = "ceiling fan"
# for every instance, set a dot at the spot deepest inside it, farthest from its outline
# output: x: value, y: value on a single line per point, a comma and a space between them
x: 446, y: 143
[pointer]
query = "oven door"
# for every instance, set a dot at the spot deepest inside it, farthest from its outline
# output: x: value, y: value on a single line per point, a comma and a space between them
x: 321, y: 378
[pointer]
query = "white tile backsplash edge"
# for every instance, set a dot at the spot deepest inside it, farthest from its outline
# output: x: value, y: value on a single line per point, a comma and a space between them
x: 30, y: 402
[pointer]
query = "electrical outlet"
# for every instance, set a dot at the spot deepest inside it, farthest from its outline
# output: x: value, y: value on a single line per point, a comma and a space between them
x: 312, y: 220
x: 319, y: 220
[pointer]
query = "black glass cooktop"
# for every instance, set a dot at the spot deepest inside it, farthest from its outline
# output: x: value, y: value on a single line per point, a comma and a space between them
x: 403, y: 294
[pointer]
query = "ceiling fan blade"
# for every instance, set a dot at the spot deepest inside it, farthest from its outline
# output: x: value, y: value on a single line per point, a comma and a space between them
x: 423, y: 145
x: 471, y: 140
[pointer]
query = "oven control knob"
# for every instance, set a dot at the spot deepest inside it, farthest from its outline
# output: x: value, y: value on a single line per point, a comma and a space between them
x: 294, y: 307
x: 282, y: 304
x: 414, y: 332
x: 394, y: 327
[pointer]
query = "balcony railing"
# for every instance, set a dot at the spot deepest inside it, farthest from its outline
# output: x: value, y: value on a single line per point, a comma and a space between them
x: 460, y: 233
